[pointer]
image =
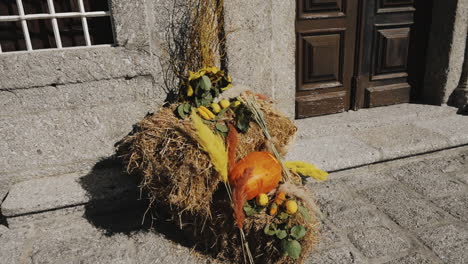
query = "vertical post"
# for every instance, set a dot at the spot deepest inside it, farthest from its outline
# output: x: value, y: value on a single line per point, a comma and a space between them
x: 0, y: 48
x: 58, y: 41
x: 24, y: 25
x: 460, y: 95
x: 85, y: 23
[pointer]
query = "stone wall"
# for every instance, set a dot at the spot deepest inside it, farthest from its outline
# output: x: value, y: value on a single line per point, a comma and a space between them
x: 261, y: 48
x: 446, y: 50
x: 62, y: 110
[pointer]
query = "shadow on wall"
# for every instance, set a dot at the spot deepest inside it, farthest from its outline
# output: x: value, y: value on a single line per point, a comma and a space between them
x: 116, y: 205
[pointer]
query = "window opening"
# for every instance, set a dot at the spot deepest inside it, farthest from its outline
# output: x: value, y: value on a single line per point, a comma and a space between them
x: 27, y: 25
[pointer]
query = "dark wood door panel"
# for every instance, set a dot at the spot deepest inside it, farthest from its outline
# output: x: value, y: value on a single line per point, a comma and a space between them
x: 390, y: 52
x: 326, y: 36
x: 322, y: 57
x: 384, y: 48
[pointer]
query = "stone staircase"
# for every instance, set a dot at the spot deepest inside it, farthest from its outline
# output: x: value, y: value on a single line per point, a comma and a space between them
x: 106, y: 198
x: 334, y: 143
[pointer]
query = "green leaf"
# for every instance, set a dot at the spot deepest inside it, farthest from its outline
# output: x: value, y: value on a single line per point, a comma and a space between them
x: 268, y: 231
x: 180, y: 111
x: 197, y: 102
x: 303, y: 211
x: 221, y: 127
x: 291, y: 248
x: 281, y: 233
x: 298, y: 232
x: 283, y: 215
x: 243, y: 118
x: 187, y: 108
x: 249, y: 210
x: 216, y: 92
x: 205, y: 83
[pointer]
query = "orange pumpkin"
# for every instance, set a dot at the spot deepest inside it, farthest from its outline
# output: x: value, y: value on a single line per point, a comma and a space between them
x: 258, y: 172
x: 265, y: 175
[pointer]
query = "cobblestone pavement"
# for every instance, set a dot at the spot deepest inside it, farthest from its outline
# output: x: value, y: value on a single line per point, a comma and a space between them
x: 413, y: 210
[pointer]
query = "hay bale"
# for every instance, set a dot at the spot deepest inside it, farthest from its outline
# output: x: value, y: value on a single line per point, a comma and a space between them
x: 162, y: 151
x: 181, y: 182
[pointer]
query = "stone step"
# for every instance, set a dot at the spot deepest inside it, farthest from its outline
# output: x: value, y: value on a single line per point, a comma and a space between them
x: 357, y: 138
x: 333, y: 143
x: 101, y: 190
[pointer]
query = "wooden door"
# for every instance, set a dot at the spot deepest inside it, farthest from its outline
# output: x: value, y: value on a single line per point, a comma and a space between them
x: 326, y: 36
x: 381, y: 70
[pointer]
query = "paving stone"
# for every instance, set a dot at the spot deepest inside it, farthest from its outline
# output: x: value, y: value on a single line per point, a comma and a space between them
x: 425, y: 180
x: 328, y: 237
x: 342, y: 255
x: 455, y: 205
x: 463, y: 176
x: 366, y: 180
x: 149, y: 249
x: 3, y: 230
x: 379, y: 241
x: 449, y: 242
x: 415, y: 258
x: 355, y: 217
x: 332, y: 197
x: 406, y: 209
x: 73, y: 238
x: 14, y: 244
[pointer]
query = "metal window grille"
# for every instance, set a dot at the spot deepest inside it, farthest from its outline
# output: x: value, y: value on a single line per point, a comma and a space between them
x: 53, y: 17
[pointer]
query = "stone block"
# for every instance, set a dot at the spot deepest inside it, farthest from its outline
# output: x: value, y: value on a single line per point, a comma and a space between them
x: 426, y: 180
x: 332, y: 197
x: 329, y: 237
x: 449, y: 242
x: 405, y: 208
x: 74, y: 96
x: 334, y: 152
x: 416, y: 258
x: 453, y: 127
x: 260, y: 31
x: 78, y: 126
x: 395, y: 141
x: 152, y: 248
x: 13, y: 244
x: 250, y: 25
x: 44, y: 194
x: 379, y: 241
x: 342, y: 255
x: 131, y: 28
x: 36, y: 69
x: 356, y: 217
x: 456, y: 205
x: 357, y: 121
x: 463, y: 176
x: 364, y: 180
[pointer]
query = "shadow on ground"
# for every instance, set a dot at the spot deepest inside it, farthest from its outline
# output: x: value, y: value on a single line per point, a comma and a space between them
x: 117, y: 206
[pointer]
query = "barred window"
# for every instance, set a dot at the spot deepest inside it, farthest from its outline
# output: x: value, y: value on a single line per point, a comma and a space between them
x: 27, y: 25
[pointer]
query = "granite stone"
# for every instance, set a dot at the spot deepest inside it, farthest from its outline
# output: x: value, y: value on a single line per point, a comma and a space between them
x: 372, y: 245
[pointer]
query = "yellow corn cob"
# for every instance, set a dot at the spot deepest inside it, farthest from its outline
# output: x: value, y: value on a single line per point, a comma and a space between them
x: 207, y: 112
x: 224, y: 103
x: 216, y: 108
x: 203, y: 114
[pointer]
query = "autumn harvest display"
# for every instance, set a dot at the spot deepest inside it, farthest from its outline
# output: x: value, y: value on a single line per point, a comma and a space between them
x: 216, y: 165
